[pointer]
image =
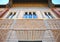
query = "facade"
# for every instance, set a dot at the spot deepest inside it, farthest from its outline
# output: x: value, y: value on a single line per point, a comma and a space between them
x: 29, y: 21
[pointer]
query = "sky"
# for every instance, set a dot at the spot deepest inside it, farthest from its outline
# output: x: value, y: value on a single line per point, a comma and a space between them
x: 4, y: 2
x: 56, y: 2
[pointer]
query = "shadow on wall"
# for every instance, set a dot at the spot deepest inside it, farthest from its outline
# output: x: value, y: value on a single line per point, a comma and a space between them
x: 30, y: 1
x: 29, y: 41
x: 58, y: 39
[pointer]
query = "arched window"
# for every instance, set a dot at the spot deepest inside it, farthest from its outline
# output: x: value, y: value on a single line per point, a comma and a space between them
x: 25, y: 15
x: 34, y: 15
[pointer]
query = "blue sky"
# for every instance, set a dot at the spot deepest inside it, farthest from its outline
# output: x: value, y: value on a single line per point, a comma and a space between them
x: 56, y: 1
x: 4, y: 2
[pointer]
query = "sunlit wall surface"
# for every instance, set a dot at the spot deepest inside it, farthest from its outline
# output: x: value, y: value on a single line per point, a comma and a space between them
x: 57, y: 2
x: 4, y: 2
